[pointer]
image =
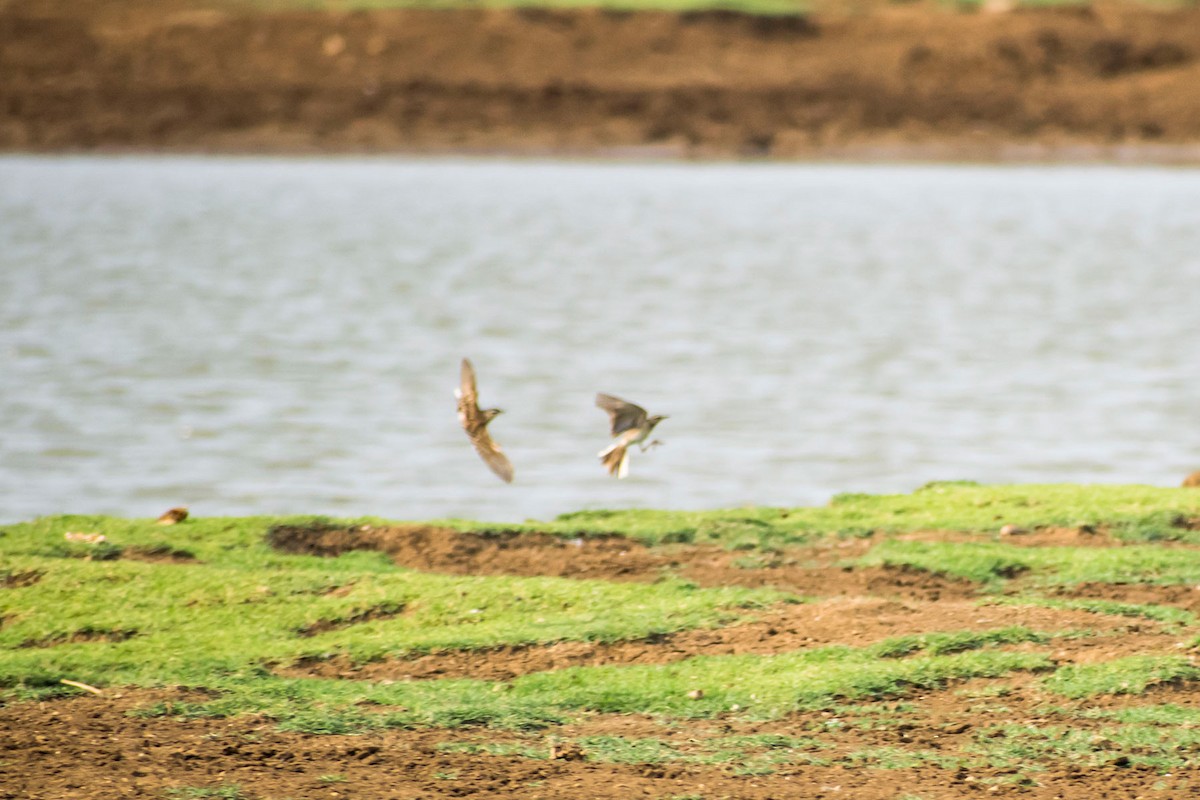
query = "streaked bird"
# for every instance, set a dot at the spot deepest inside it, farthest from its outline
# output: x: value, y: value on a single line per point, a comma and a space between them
x: 172, y: 516
x: 475, y: 421
x: 630, y: 425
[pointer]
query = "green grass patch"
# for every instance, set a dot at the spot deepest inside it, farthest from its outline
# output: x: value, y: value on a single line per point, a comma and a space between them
x: 1134, y: 513
x: 954, y: 642
x: 226, y: 791
x: 993, y: 563
x: 1156, y: 714
x: 887, y: 757
x: 1132, y: 675
x: 755, y: 687
x: 867, y: 716
x: 1160, y: 737
x: 208, y: 604
x: 134, y: 623
x: 536, y: 751
x: 1022, y: 745
x: 240, y: 607
x: 749, y: 755
x: 1168, y: 615
x: 766, y: 687
x: 752, y: 754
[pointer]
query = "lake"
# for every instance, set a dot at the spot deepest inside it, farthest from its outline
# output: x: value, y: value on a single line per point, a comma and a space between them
x: 283, y: 336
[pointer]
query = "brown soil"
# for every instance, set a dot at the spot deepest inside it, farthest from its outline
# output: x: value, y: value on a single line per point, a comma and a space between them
x: 89, y: 747
x: 503, y: 553
x: 1108, y: 81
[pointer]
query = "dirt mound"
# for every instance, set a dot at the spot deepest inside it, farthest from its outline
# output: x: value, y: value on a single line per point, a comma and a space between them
x: 433, y: 549
x: 1112, y: 81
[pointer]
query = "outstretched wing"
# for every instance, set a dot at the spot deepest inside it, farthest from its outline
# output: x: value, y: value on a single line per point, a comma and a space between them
x: 468, y: 396
x: 625, y: 416
x: 491, y: 454
x: 475, y: 423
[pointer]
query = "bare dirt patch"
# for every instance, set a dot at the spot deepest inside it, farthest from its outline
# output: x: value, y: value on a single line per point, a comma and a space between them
x: 433, y: 549
x: 89, y: 746
x: 805, y: 571
x: 1185, y: 597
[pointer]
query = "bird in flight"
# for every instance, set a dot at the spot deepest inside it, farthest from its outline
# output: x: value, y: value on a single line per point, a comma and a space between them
x: 630, y: 425
x: 475, y: 421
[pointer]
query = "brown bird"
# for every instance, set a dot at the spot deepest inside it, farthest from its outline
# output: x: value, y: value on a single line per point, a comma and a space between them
x: 475, y: 421
x: 630, y: 425
x: 172, y: 516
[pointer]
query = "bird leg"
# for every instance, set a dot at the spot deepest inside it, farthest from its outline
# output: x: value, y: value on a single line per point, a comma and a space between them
x: 652, y: 445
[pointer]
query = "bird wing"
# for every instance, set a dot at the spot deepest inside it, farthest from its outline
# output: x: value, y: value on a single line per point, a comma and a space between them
x: 491, y: 454
x: 475, y: 424
x: 466, y: 392
x: 625, y: 416
x: 468, y: 400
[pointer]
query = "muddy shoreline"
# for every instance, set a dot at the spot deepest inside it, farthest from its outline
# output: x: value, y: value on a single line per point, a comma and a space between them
x: 1113, y: 84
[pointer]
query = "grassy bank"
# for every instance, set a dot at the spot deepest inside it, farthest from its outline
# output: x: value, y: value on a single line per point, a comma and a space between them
x: 211, y: 608
x: 1132, y: 513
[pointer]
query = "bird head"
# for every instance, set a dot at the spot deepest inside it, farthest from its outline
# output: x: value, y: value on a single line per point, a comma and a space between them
x: 490, y: 413
x: 657, y: 418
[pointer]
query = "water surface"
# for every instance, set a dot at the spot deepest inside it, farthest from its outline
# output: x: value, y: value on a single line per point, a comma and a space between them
x: 282, y: 335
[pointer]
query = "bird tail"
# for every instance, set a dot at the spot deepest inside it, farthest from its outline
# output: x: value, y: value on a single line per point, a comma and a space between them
x: 616, y: 459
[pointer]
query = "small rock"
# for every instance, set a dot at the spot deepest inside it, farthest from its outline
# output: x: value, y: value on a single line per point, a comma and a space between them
x: 696, y: 694
x: 89, y: 538
x: 1012, y: 530
x: 173, y: 515
x: 566, y: 751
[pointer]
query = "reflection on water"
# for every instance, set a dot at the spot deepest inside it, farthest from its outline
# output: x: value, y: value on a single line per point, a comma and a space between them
x: 283, y: 336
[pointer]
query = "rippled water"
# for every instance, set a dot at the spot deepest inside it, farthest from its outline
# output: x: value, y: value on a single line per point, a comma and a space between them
x: 283, y: 336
